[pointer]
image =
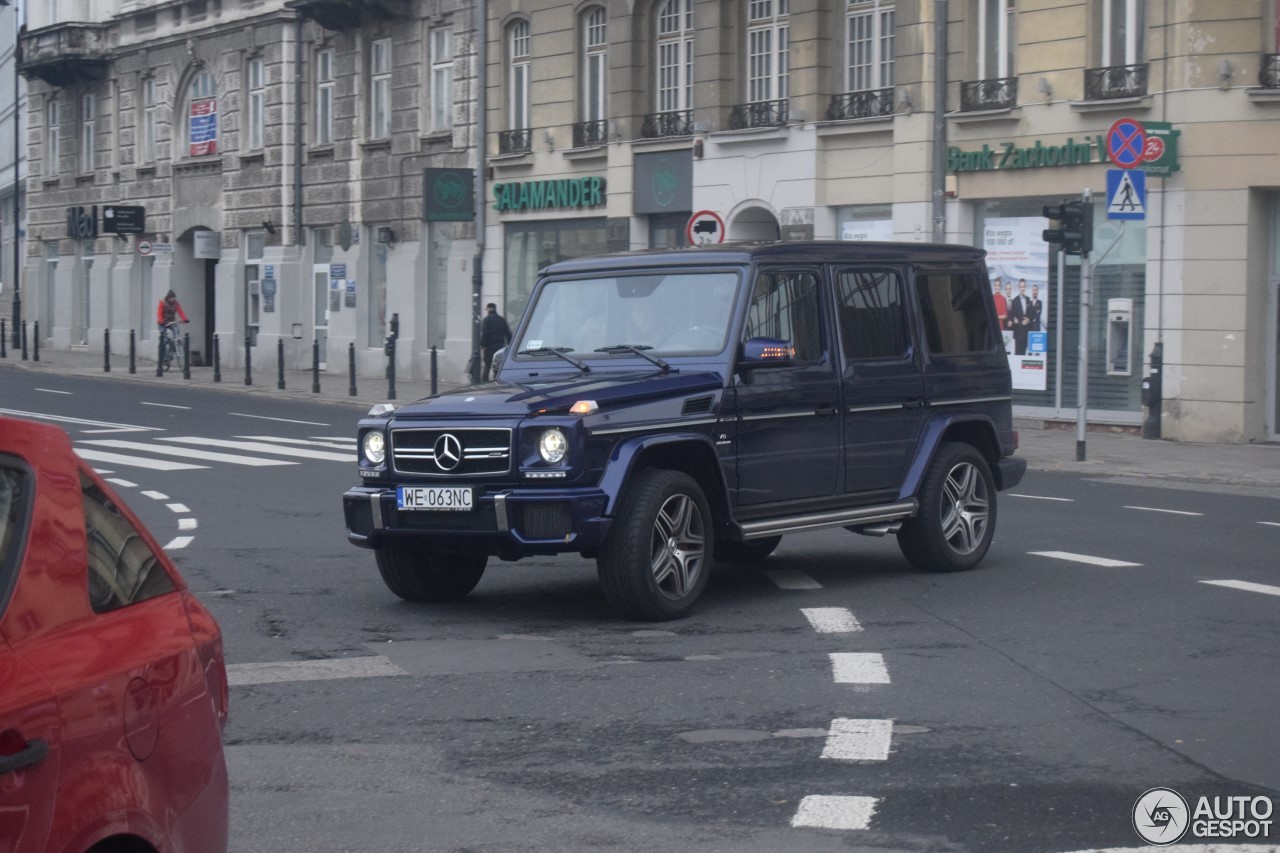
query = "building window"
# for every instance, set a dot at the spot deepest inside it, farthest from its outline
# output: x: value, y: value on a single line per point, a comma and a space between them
x: 202, y: 115
x: 869, y: 46
x: 88, y: 131
x: 148, y: 154
x: 380, y: 89
x: 595, y: 71
x: 442, y: 79
x: 53, y: 133
x: 324, y: 97
x: 995, y: 39
x: 1123, y: 26
x: 518, y: 76
x: 767, y: 50
x: 674, y: 60
x: 257, y: 104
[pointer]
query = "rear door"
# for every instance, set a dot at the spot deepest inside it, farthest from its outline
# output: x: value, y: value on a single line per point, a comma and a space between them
x: 965, y: 370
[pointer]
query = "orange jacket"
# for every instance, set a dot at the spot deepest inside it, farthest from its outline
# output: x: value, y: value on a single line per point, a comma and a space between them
x: 166, y: 315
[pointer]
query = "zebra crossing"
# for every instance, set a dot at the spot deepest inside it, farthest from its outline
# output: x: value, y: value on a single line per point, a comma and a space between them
x: 191, y: 452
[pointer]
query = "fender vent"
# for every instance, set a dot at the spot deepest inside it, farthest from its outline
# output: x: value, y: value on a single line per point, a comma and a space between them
x: 696, y: 406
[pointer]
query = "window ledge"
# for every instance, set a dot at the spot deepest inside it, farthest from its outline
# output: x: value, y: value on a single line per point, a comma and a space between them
x: 145, y: 169
x: 1259, y: 95
x: 253, y: 157
x: 855, y: 126
x: 86, y: 180
x: 376, y: 145
x: 437, y: 136
x: 750, y: 134
x: 195, y: 167
x: 511, y: 161
x: 594, y: 152
x: 1142, y: 102
x: 986, y: 116
x: 321, y: 151
x: 51, y: 181
x: 664, y: 143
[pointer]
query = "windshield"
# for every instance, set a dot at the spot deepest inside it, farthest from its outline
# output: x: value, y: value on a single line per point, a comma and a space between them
x: 664, y: 313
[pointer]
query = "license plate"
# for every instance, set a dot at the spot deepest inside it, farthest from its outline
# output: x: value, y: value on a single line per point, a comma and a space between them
x: 435, y: 498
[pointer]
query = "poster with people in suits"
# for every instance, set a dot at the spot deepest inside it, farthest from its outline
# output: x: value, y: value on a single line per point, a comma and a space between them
x: 1018, y: 263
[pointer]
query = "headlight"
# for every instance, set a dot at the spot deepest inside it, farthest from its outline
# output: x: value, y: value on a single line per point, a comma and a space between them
x: 552, y: 446
x: 375, y: 447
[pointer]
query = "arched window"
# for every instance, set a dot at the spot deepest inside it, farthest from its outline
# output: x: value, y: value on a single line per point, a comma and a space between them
x: 202, y: 115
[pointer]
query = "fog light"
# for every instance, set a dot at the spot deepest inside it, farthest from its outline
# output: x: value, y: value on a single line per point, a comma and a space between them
x: 552, y: 446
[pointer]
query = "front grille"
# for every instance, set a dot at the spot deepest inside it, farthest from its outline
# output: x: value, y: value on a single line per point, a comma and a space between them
x: 479, y: 520
x: 464, y: 452
x: 543, y: 520
x: 359, y: 515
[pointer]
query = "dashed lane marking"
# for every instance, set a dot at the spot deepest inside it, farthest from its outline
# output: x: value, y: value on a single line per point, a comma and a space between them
x: 1270, y: 523
x: 1169, y: 511
x: 178, y: 508
x: 792, y: 579
x: 179, y: 542
x: 52, y: 391
x: 858, y: 740
x: 1084, y: 558
x: 1247, y: 586
x: 123, y: 483
x: 83, y: 422
x: 188, y: 524
x: 263, y: 447
x: 187, y: 453
x: 241, y: 674
x: 859, y: 668
x: 827, y: 812
x: 1041, y: 498
x: 90, y: 455
x: 280, y: 420
x: 166, y: 406
x: 156, y: 496
x: 831, y: 620
x: 332, y: 444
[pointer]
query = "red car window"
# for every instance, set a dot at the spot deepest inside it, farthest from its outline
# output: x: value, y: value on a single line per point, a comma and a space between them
x: 123, y: 569
x: 15, y: 504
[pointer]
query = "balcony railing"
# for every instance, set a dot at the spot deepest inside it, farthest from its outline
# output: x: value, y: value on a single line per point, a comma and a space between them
x: 999, y: 93
x: 674, y: 123
x: 65, y: 54
x: 515, y: 141
x: 865, y: 104
x: 1269, y: 73
x: 1118, y: 81
x: 758, y: 114
x: 588, y: 134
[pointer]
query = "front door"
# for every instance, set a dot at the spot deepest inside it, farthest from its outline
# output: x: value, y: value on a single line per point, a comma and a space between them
x: 320, y: 275
x: 788, y: 425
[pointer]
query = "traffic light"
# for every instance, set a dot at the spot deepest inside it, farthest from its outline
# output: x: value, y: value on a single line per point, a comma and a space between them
x: 1072, y: 226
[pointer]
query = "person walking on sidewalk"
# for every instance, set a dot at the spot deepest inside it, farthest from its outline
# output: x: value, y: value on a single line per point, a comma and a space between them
x: 494, y: 335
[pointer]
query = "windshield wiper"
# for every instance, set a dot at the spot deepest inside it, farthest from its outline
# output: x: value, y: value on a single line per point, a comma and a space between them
x: 637, y: 349
x: 559, y: 352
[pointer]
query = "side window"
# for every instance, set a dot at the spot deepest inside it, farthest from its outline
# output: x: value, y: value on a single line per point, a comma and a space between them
x: 955, y: 313
x: 784, y: 305
x: 123, y: 570
x: 873, y: 317
x: 15, y: 503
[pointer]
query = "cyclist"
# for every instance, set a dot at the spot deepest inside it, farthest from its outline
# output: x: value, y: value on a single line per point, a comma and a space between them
x: 168, y: 312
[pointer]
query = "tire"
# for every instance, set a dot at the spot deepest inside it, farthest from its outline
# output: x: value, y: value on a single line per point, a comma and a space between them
x: 414, y: 576
x: 653, y: 565
x: 750, y: 551
x: 957, y: 517
x: 166, y: 353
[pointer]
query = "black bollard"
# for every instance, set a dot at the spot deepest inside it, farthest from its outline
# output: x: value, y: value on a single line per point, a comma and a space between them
x: 435, y: 373
x: 186, y: 355
x: 248, y: 377
x: 133, y: 351
x: 391, y: 367
x: 35, y: 342
x: 315, y: 366
x: 4, y: 340
x: 24, y: 341
x: 351, y: 369
x: 280, y: 364
x: 106, y: 350
x: 217, y: 360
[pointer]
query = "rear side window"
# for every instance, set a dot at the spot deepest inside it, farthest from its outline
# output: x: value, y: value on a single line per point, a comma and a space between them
x: 15, y: 505
x: 784, y: 305
x: 955, y: 313
x: 873, y: 318
x: 123, y: 569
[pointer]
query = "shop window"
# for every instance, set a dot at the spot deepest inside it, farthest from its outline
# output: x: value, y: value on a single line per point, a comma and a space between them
x: 123, y: 570
x: 530, y: 246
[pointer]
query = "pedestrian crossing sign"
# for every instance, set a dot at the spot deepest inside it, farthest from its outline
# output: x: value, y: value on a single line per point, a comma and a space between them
x: 1126, y: 194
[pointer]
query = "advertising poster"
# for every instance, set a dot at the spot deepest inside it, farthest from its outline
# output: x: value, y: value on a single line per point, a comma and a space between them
x: 868, y: 229
x: 351, y: 293
x: 1018, y: 263
x: 204, y: 127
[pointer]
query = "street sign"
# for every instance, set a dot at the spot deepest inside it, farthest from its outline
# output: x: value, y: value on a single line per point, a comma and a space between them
x: 1126, y: 194
x: 1160, y: 157
x: 124, y: 219
x: 162, y: 248
x: 144, y: 247
x: 1126, y: 143
x: 704, y: 227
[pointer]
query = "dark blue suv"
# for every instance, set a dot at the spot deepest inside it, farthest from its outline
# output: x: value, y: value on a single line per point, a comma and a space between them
x: 659, y: 410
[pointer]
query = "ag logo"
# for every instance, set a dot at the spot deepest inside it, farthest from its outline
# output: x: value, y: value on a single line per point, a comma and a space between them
x: 1161, y: 816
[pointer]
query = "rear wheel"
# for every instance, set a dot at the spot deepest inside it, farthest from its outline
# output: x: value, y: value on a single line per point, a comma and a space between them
x: 750, y: 551
x: 957, y: 517
x: 414, y: 576
x: 653, y: 564
x: 166, y: 352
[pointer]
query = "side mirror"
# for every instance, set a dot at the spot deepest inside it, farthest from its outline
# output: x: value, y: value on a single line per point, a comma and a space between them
x: 767, y: 352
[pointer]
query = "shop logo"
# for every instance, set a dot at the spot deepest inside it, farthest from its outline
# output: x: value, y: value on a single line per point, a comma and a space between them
x: 450, y: 190
x: 665, y: 183
x: 1160, y: 816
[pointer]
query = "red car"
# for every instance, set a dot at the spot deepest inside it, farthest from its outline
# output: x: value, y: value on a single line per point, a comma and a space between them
x: 113, y: 686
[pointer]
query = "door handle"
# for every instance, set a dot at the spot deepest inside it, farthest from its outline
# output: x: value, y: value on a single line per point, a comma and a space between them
x: 33, y: 753
x: 832, y: 410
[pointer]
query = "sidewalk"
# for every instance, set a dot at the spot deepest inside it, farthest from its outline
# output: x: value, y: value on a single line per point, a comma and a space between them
x: 1108, y: 454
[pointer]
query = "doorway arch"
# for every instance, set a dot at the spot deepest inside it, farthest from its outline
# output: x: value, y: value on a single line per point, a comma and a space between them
x: 754, y: 223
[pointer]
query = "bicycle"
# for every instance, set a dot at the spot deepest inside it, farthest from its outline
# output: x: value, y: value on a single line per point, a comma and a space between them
x: 168, y: 345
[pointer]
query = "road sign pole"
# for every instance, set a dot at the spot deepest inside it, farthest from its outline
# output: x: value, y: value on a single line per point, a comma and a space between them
x: 1082, y: 384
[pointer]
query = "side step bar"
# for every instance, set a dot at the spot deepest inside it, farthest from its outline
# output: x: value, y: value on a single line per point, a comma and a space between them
x: 818, y: 521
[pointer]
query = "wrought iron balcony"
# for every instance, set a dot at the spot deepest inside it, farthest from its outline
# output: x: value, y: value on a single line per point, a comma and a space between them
x: 999, y: 93
x: 349, y: 15
x: 673, y: 123
x: 1269, y: 73
x: 758, y: 114
x: 868, y: 103
x: 65, y: 54
x: 1118, y: 81
x: 589, y: 134
x: 515, y: 141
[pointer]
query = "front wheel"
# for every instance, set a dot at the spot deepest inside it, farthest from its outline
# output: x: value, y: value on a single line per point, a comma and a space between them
x: 653, y: 565
x: 414, y: 576
x: 957, y: 517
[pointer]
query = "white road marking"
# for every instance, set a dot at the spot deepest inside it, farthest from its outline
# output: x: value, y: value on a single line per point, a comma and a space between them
x: 831, y: 620
x: 329, y: 443
x: 164, y: 405
x: 1270, y: 523
x: 205, y: 455
x: 826, y: 812
x: 178, y: 508
x: 346, y: 439
x: 1042, y: 498
x: 1084, y: 558
x: 179, y: 543
x: 1170, y: 511
x: 264, y: 447
x: 858, y: 740
x: 136, y: 461
x: 1247, y: 586
x: 792, y: 579
x: 240, y: 674
x: 156, y: 496
x: 124, y: 483
x: 188, y: 524
x: 62, y: 419
x: 51, y: 391
x: 281, y: 420
x: 859, y: 668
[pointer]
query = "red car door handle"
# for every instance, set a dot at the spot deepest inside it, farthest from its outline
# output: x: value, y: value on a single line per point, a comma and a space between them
x: 33, y: 753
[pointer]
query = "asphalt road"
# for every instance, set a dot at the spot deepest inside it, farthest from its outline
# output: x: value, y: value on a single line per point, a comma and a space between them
x: 1023, y: 706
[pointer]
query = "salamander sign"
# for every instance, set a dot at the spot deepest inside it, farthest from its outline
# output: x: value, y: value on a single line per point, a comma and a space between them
x: 541, y: 195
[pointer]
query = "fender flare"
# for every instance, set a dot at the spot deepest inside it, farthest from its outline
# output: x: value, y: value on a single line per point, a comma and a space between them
x: 931, y: 439
x: 623, y: 457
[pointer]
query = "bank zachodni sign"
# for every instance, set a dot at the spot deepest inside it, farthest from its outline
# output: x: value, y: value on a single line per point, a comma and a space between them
x: 1005, y: 156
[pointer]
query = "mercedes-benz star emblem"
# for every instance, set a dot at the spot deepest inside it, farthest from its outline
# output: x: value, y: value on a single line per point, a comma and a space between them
x: 448, y: 452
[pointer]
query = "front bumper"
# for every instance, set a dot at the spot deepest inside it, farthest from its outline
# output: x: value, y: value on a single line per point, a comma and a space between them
x: 506, y: 522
